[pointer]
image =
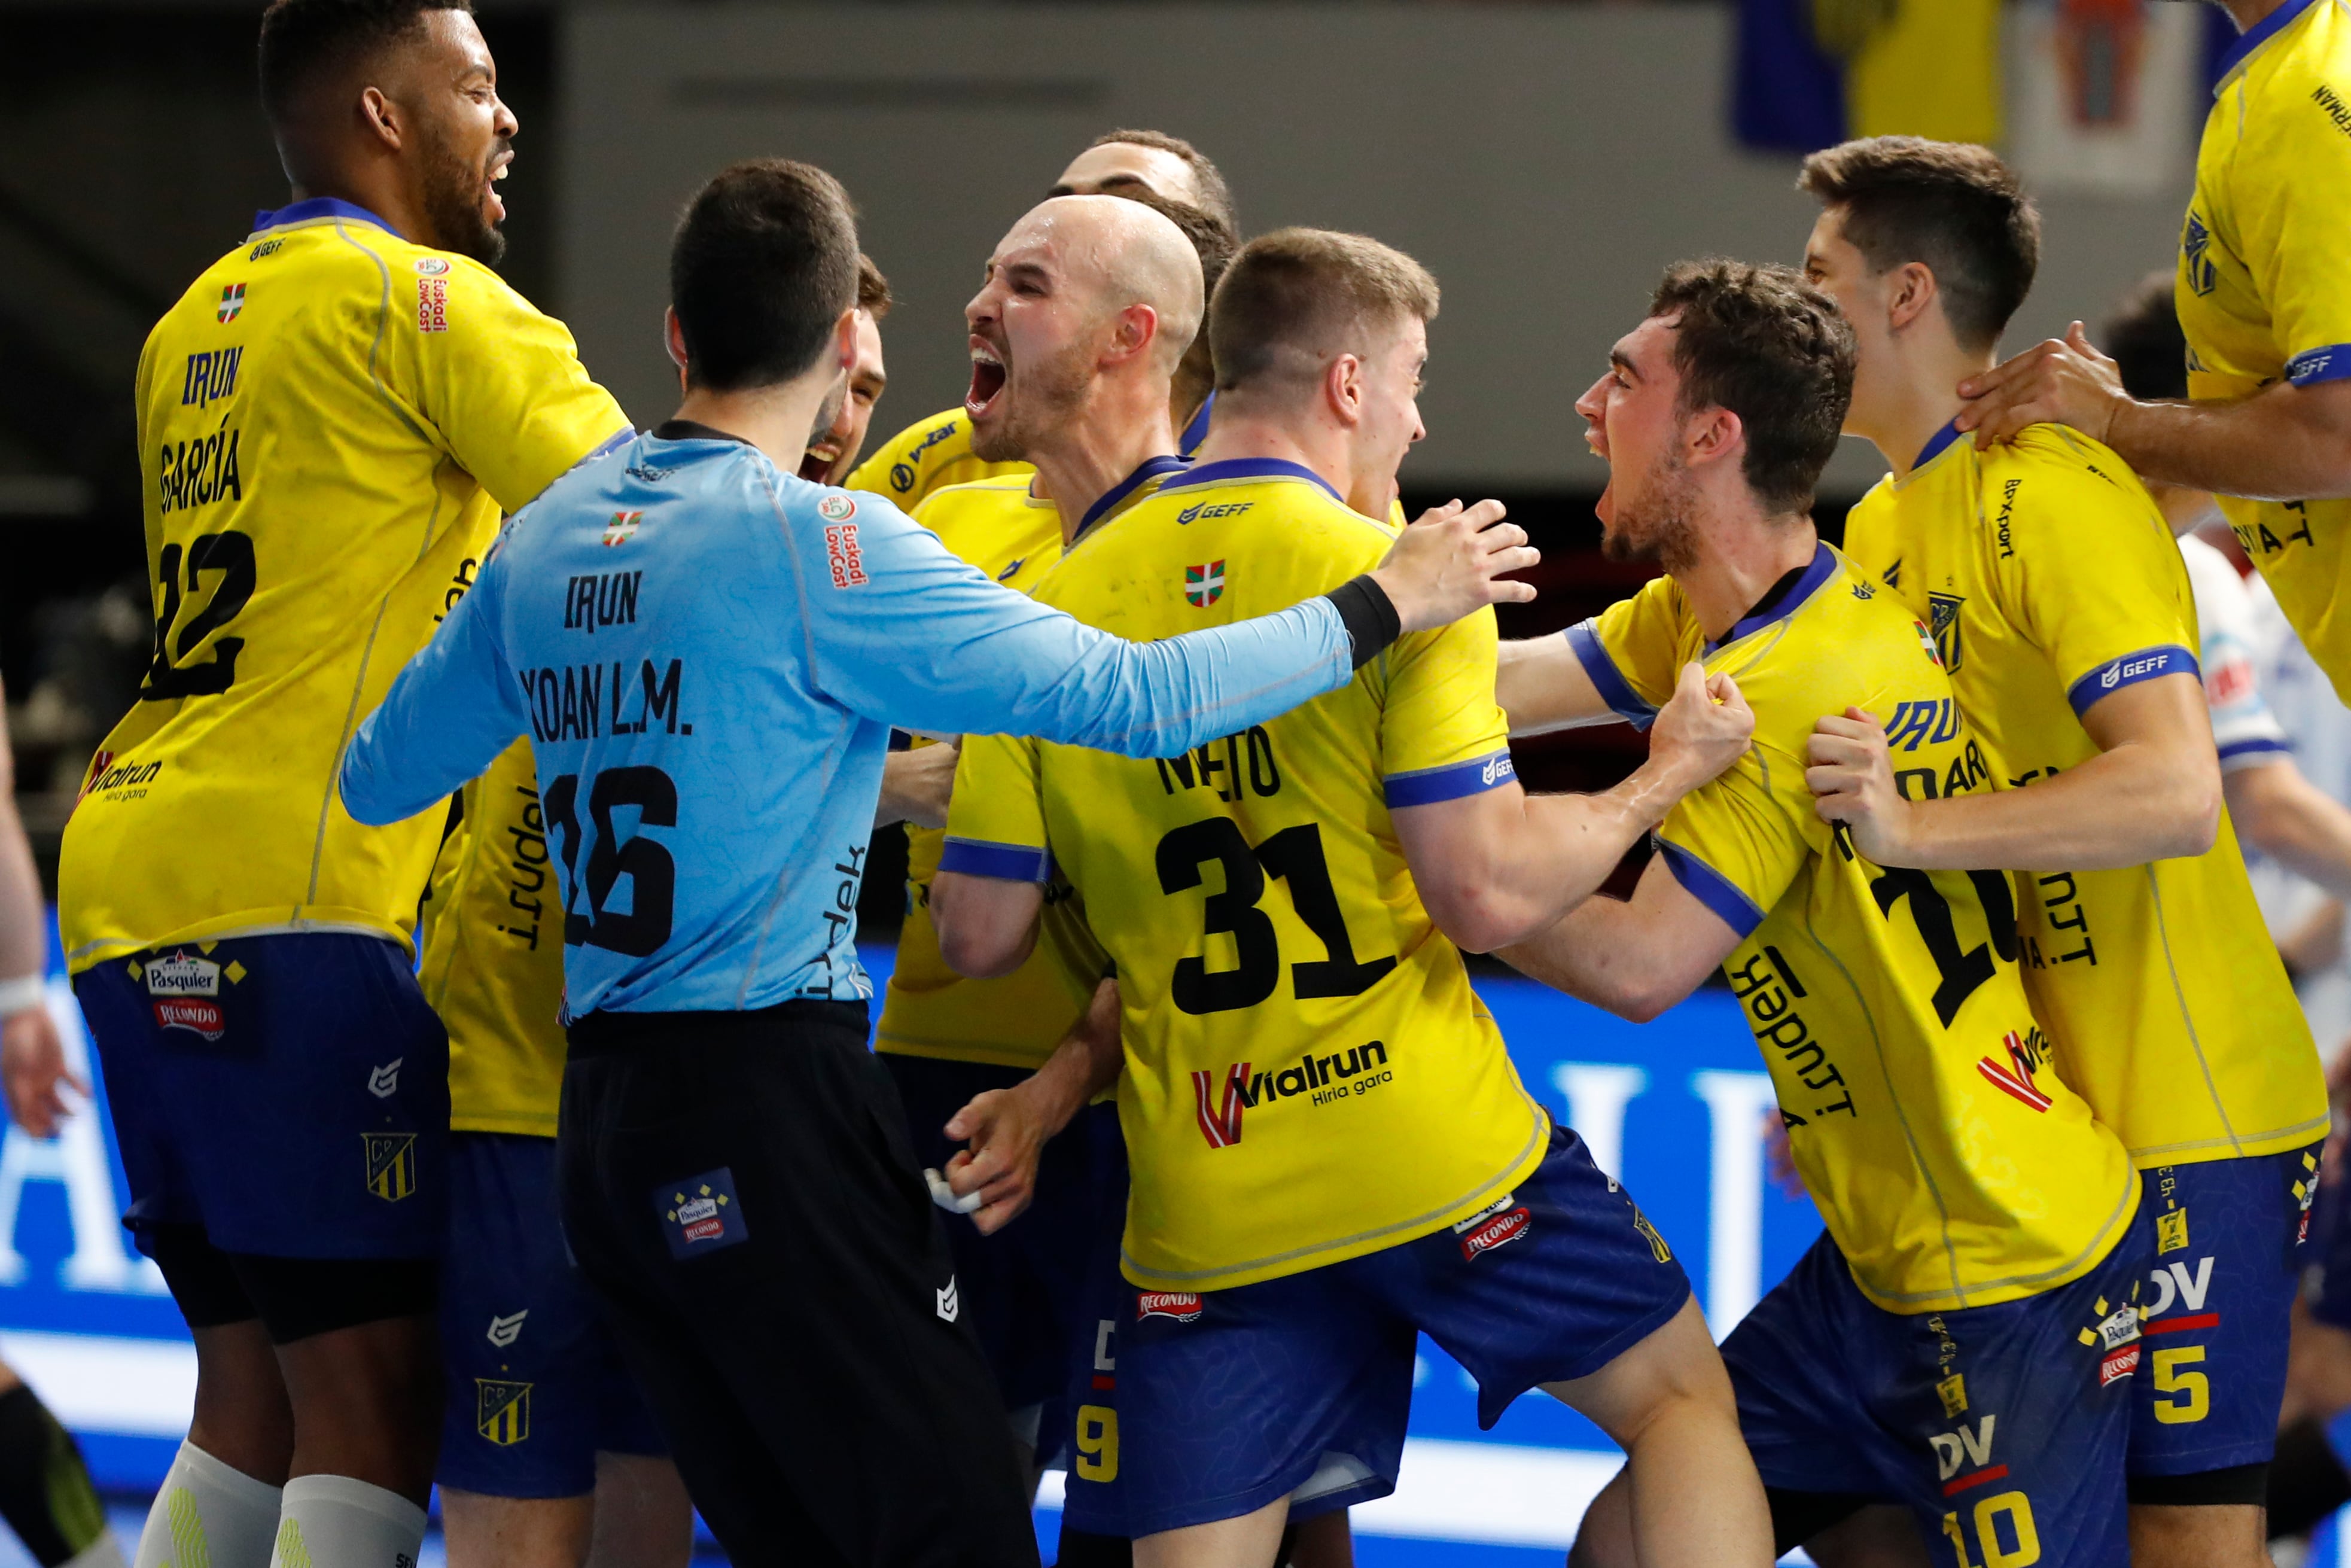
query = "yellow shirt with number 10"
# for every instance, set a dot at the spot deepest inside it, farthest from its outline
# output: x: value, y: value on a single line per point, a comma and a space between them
x: 1952, y: 1163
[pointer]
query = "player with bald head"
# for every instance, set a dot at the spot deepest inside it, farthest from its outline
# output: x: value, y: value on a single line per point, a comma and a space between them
x: 1163, y: 171
x: 1085, y: 315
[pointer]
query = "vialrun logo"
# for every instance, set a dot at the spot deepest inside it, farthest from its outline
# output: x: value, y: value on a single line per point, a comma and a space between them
x: 2014, y: 1077
x: 1220, y: 1102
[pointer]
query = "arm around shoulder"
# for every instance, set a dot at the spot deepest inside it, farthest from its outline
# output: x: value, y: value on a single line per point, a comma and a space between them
x: 1634, y: 958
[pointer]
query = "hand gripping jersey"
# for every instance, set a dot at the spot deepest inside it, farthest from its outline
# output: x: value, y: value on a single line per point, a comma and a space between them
x: 1950, y: 1160
x: 1309, y: 1076
x: 2265, y: 284
x: 490, y: 947
x: 708, y: 654
x: 1016, y: 1020
x: 330, y: 420
x: 2050, y: 579
x: 2244, y: 730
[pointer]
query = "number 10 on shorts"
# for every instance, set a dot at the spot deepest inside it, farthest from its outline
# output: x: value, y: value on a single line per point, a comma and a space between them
x: 2014, y: 1547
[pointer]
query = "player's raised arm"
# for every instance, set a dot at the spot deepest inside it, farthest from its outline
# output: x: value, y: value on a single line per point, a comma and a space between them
x: 449, y: 713
x: 927, y: 642
x: 1496, y: 867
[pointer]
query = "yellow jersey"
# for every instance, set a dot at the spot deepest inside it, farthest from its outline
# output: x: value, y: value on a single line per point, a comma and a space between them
x: 1952, y: 1162
x: 2049, y: 579
x: 330, y: 420
x: 2264, y: 283
x: 1016, y: 1020
x: 1295, y: 1025
x: 927, y: 456
x: 490, y: 954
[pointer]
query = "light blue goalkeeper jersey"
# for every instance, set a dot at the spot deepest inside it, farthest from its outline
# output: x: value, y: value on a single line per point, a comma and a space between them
x: 708, y: 654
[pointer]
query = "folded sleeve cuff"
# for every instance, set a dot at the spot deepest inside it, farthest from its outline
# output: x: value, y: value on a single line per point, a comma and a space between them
x: 2311, y: 366
x: 1712, y: 888
x: 1005, y: 862
x: 1623, y: 701
x: 1427, y: 786
x: 2147, y: 665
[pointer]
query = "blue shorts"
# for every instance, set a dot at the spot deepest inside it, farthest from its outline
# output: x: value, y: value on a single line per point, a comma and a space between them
x: 2005, y: 1424
x: 2327, y: 1254
x: 536, y: 1387
x: 289, y: 1094
x: 1092, y: 1498
x: 1020, y: 1288
x: 1299, y: 1386
x: 2228, y: 1259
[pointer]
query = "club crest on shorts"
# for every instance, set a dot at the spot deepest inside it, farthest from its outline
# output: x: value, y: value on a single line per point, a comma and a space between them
x: 700, y: 1214
x: 1182, y: 1306
x: 1658, y: 1248
x: 390, y: 1164
x: 1204, y: 585
x: 502, y: 1411
x: 1502, y: 1221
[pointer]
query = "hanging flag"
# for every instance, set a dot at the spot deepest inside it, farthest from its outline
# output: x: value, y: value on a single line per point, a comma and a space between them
x: 1810, y: 73
x: 2106, y: 99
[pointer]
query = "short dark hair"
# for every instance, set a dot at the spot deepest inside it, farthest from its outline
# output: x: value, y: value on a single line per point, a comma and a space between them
x: 1951, y: 205
x: 2144, y: 336
x: 1215, y: 194
x: 1768, y: 346
x: 874, y: 296
x: 303, y: 41
x: 764, y: 263
x: 1293, y: 298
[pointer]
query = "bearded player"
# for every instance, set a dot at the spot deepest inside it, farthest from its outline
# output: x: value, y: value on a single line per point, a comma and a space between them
x: 332, y: 419
x: 1292, y: 895
x: 937, y: 451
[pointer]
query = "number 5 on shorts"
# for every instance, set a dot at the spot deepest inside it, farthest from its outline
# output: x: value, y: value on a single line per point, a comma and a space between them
x: 2169, y: 1379
x: 2018, y: 1509
x: 1097, y: 1443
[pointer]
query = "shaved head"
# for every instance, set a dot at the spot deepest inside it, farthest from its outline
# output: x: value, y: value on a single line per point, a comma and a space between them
x: 1084, y: 290
x: 1121, y: 253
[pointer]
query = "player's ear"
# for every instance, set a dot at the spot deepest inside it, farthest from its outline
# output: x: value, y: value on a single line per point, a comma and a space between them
x: 1343, y: 389
x: 1911, y: 289
x: 674, y: 340
x: 1712, y: 435
x: 845, y: 340
x: 380, y: 117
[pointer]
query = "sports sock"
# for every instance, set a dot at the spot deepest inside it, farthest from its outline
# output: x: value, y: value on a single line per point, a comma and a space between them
x: 45, y: 1491
x: 337, y: 1522
x: 208, y: 1514
x: 2307, y: 1481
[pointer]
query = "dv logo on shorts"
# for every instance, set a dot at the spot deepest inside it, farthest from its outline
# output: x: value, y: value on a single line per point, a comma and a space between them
x: 1493, y: 1225
x: 1183, y: 1306
x: 502, y: 1411
x: 390, y: 1164
x: 1968, y: 1445
x: 700, y: 1214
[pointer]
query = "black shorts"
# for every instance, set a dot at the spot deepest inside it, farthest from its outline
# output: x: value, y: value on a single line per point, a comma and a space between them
x: 740, y: 1193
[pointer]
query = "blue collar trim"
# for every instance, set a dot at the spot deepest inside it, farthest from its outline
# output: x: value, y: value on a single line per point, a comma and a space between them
x: 1253, y: 468
x: 1196, y: 429
x: 318, y: 207
x: 1936, y: 443
x: 1151, y: 469
x: 1823, y: 566
x: 2259, y: 33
